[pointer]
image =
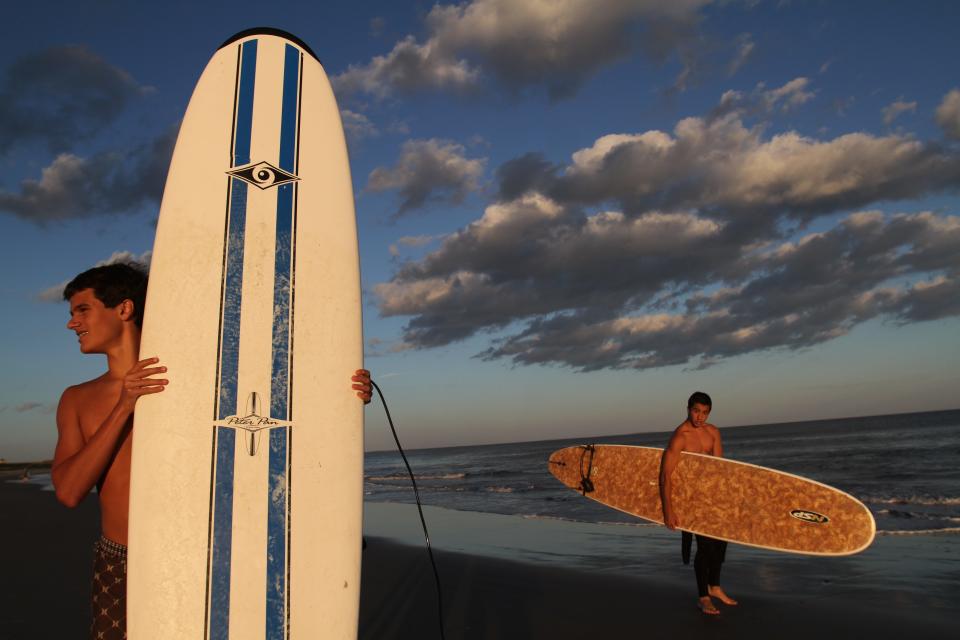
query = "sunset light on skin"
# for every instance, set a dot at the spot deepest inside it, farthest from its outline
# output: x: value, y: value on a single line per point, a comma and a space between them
x: 571, y: 214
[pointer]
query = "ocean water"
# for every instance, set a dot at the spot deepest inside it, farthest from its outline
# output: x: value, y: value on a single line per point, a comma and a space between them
x: 905, y: 468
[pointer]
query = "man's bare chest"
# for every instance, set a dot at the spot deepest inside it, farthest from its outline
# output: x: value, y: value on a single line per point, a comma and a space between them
x: 698, y: 441
x: 94, y: 407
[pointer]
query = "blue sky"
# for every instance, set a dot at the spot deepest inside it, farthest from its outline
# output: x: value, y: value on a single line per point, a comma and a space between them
x: 572, y: 214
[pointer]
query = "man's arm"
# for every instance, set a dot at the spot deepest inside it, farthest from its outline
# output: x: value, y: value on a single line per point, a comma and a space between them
x: 78, y: 464
x: 717, y: 449
x: 669, y: 461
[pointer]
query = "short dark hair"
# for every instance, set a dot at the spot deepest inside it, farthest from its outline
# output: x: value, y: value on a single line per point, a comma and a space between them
x: 699, y: 397
x: 112, y: 284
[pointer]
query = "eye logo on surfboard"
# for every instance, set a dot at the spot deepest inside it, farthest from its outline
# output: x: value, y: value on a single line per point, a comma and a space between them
x: 809, y: 516
x: 263, y: 175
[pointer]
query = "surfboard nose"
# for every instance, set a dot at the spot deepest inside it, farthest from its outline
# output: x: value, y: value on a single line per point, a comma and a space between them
x: 269, y: 31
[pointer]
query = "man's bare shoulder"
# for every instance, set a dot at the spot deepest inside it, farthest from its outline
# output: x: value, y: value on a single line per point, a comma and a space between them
x: 684, y: 428
x: 93, y: 385
x: 716, y: 446
x: 76, y: 396
x: 679, y: 437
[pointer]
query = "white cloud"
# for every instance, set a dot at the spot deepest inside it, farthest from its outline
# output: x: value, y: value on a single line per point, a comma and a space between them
x: 60, y: 96
x: 745, y: 48
x: 681, y: 258
x: 358, y: 126
x: 55, y: 293
x: 109, y: 182
x: 553, y: 43
x: 948, y: 114
x: 408, y: 67
x: 427, y: 172
x: 765, y: 102
x: 412, y: 242
x: 893, y: 110
x: 792, y: 94
x: 722, y: 164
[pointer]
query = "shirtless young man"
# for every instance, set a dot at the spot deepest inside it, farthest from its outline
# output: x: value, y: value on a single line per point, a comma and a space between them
x: 697, y: 436
x: 95, y: 422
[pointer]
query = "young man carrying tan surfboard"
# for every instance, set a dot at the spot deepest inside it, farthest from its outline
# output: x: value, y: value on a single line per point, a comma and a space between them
x: 95, y: 422
x: 696, y: 435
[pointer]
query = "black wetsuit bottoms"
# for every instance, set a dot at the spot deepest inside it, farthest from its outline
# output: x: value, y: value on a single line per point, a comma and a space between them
x: 706, y: 564
x: 109, y: 591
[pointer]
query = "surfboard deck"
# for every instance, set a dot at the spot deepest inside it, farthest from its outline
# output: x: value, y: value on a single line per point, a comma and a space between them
x: 247, y: 478
x: 721, y: 498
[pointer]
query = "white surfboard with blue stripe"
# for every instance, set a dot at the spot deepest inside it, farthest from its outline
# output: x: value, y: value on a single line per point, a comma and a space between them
x: 246, y: 491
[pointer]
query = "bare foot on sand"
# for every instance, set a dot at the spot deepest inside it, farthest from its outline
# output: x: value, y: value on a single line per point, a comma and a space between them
x: 718, y: 593
x: 706, y: 605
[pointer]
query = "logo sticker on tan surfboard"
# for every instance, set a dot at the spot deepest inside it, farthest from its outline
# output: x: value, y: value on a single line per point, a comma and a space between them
x: 809, y: 516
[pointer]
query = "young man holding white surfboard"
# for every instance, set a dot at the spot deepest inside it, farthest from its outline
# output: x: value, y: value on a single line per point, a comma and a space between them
x: 696, y: 435
x: 95, y: 422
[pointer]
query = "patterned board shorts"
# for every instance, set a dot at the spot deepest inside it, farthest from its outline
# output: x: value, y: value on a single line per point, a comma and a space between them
x: 109, y: 603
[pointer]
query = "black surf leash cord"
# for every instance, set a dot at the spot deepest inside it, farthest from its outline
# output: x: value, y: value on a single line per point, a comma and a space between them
x: 423, y: 522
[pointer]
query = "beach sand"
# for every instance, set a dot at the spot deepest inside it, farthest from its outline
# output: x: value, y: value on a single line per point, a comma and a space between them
x: 511, y: 577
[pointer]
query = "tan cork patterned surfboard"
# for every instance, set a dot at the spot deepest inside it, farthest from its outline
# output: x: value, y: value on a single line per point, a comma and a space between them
x: 721, y: 498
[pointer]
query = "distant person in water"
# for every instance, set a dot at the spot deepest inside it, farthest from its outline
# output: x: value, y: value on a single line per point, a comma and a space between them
x: 696, y: 435
x: 95, y: 422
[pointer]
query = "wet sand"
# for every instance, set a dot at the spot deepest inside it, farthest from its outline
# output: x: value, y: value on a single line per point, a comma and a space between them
x: 510, y: 577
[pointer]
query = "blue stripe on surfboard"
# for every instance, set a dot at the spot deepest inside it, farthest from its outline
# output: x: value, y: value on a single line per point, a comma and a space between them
x: 277, y: 489
x: 221, y: 535
x: 277, y: 553
x: 284, y: 228
x: 280, y: 384
x: 248, y: 76
x: 288, y: 125
x: 230, y: 354
x: 233, y: 299
x: 277, y: 535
